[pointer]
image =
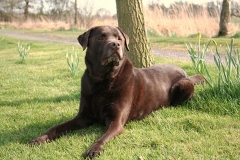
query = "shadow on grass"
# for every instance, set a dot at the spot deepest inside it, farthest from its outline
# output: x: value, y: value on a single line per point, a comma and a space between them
x: 24, y: 135
x: 21, y: 136
x: 15, y: 103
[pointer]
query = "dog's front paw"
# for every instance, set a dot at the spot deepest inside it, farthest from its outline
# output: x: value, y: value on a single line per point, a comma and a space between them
x: 39, y: 140
x: 94, y: 151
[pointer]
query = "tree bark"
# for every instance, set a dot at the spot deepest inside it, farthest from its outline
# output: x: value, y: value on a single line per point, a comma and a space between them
x: 26, y: 10
x: 131, y: 20
x: 76, y: 12
x: 225, y: 18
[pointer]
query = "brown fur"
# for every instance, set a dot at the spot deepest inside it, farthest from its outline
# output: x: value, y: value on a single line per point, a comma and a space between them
x: 114, y: 92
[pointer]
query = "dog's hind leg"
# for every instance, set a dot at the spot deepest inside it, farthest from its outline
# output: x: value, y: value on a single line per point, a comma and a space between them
x: 181, y: 91
x: 197, y: 79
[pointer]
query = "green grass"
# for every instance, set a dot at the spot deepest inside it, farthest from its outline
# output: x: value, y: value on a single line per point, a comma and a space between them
x: 41, y: 93
x: 179, y: 43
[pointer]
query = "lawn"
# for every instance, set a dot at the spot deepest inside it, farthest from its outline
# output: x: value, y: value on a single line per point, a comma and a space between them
x: 41, y: 92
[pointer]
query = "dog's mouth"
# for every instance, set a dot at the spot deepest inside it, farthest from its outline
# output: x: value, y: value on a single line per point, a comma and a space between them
x: 113, y: 59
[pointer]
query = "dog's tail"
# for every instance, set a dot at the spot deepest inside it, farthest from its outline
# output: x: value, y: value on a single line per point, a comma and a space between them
x: 197, y: 79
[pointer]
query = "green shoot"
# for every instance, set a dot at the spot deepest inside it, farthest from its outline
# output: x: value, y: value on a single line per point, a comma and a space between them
x: 23, y: 51
x: 73, y: 61
x: 228, y: 71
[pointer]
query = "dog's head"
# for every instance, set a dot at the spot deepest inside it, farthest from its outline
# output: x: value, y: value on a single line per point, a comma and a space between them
x: 105, y: 43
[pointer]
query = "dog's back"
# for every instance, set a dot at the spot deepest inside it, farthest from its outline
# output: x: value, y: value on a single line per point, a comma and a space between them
x: 151, y: 88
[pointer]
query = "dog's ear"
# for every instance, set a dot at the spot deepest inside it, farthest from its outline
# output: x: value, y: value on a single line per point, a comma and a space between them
x: 83, y: 39
x: 125, y: 37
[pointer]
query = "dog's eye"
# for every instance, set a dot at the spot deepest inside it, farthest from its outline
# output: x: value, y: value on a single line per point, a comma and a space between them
x: 100, y: 38
x: 119, y: 38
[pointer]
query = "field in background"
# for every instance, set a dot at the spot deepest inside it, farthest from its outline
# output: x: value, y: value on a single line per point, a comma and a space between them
x: 183, y: 23
x: 181, y: 19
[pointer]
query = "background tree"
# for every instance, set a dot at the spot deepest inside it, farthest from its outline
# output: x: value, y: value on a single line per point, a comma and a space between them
x: 76, y: 13
x: 85, y: 15
x: 41, y: 7
x: 17, y: 9
x: 26, y: 7
x: 131, y: 20
x: 225, y: 18
x: 9, y: 7
x: 235, y: 9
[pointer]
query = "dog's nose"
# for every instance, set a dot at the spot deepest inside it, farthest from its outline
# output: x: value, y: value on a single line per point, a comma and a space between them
x: 115, y: 44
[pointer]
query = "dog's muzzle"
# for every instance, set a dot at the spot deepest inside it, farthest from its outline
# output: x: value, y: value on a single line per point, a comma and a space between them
x: 112, y: 59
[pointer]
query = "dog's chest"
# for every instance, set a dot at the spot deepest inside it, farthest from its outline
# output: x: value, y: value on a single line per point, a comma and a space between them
x: 102, y: 100
x: 103, y: 105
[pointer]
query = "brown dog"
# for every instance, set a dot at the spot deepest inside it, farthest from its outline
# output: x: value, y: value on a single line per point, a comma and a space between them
x: 114, y: 92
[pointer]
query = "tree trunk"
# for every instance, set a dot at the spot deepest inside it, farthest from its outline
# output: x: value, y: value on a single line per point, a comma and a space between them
x: 225, y: 18
x: 131, y: 20
x: 26, y: 10
x: 75, y: 17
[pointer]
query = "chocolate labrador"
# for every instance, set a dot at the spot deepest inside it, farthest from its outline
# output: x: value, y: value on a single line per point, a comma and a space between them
x: 113, y: 92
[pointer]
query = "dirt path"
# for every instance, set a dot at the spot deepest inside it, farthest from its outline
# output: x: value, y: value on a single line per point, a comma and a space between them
x: 70, y: 39
x: 40, y: 37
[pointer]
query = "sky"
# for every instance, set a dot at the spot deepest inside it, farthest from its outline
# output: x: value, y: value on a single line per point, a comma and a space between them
x: 110, y: 5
